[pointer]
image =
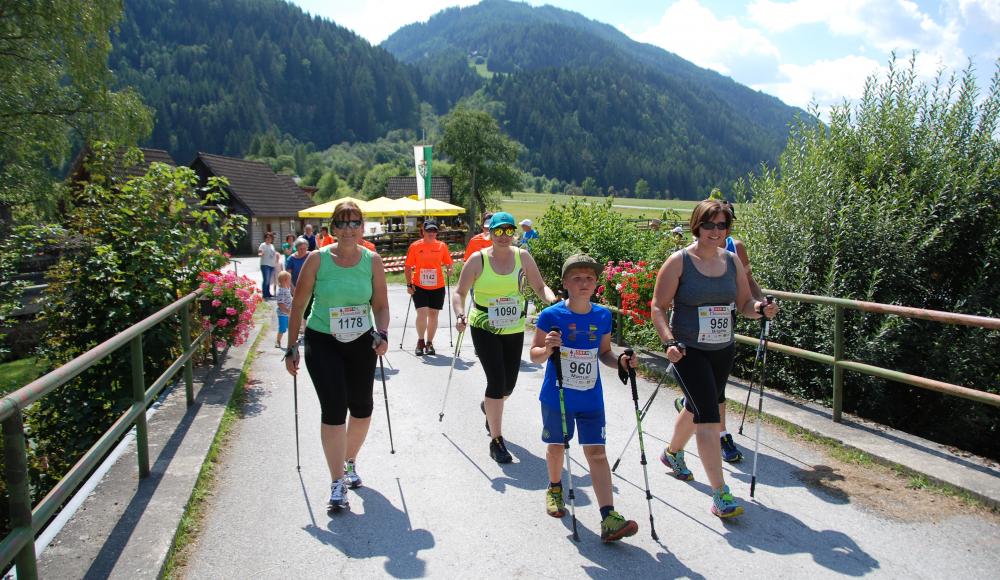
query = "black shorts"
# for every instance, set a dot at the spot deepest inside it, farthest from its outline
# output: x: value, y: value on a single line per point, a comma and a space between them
x: 703, y: 378
x: 343, y: 374
x: 424, y: 298
x: 500, y: 356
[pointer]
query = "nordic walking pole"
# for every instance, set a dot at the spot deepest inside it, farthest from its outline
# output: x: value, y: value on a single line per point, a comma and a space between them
x: 642, y: 448
x: 760, y: 401
x: 385, y: 395
x: 645, y: 409
x: 554, y: 358
x: 447, y: 386
x: 405, y: 321
x: 447, y: 297
x: 753, y: 372
x: 295, y: 398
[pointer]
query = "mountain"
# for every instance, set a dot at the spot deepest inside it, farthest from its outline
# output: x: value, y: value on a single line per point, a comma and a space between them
x: 587, y: 101
x: 218, y: 72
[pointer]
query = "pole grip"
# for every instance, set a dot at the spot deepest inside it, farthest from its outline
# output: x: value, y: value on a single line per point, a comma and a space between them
x: 631, y: 375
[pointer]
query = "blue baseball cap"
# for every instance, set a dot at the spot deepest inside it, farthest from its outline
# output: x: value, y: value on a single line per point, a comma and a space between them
x: 500, y: 219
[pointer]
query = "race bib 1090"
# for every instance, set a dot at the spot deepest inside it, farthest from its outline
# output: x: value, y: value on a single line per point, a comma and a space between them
x: 505, y: 311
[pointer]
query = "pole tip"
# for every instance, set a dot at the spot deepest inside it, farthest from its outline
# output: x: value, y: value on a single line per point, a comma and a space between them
x: 440, y: 417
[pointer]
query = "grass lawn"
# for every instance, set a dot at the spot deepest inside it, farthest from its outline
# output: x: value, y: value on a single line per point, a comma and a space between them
x: 16, y: 374
x: 533, y: 205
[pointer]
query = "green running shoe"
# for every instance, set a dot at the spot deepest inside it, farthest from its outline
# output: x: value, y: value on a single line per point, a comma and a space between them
x: 724, y: 504
x: 554, y: 504
x: 615, y: 527
x: 675, y: 461
x: 351, y: 475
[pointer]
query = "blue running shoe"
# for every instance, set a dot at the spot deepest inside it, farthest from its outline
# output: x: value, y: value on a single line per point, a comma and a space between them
x: 730, y: 453
x: 724, y: 505
x: 675, y: 461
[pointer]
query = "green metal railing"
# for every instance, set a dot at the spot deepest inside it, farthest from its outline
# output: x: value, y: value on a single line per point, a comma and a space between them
x: 19, y: 545
x: 838, y: 362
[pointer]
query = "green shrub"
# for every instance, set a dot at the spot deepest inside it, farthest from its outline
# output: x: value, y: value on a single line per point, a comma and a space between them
x: 144, y: 242
x: 896, y: 201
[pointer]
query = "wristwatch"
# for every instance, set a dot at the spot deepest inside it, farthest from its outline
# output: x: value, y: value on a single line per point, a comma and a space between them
x: 292, y: 351
x: 669, y: 343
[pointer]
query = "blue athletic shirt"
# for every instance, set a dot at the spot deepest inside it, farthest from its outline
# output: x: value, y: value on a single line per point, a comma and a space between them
x: 579, y: 331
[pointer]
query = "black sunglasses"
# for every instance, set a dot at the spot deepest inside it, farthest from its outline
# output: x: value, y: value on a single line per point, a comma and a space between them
x: 341, y: 224
x: 714, y: 226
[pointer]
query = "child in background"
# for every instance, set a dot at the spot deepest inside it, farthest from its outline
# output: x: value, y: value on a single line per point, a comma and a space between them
x: 581, y: 331
x: 284, y: 302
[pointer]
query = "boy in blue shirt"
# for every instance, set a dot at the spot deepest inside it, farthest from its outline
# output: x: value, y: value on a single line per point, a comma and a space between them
x: 581, y: 331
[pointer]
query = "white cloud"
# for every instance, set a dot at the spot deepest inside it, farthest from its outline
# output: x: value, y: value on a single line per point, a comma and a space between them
x: 692, y: 31
x: 826, y: 82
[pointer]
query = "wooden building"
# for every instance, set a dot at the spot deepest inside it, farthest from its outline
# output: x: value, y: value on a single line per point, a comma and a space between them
x: 270, y: 202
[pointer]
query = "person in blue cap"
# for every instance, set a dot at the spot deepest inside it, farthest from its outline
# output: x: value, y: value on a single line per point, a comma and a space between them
x: 498, y: 275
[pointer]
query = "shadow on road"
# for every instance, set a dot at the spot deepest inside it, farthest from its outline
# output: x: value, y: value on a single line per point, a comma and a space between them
x: 382, y: 531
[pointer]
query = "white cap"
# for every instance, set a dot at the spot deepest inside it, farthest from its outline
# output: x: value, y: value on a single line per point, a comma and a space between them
x: 678, y: 230
x: 526, y: 222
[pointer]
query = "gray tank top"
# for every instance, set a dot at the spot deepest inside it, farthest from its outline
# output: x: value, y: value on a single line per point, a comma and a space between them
x: 702, y: 314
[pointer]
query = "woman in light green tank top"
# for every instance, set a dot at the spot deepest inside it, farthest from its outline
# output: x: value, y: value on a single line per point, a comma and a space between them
x: 498, y: 275
x: 346, y: 331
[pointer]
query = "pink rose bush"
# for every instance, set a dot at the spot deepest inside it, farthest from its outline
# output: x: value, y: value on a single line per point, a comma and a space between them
x: 234, y: 300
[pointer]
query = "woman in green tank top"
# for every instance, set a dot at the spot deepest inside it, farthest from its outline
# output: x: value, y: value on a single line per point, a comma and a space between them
x: 346, y: 331
x: 498, y: 275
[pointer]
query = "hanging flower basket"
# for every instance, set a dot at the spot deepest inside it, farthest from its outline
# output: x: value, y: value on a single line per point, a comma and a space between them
x: 227, y: 307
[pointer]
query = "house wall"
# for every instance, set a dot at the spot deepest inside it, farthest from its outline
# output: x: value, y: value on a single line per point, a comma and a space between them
x: 280, y: 225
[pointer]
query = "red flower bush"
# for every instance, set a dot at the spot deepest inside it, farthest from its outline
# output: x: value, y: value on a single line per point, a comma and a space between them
x: 631, y: 284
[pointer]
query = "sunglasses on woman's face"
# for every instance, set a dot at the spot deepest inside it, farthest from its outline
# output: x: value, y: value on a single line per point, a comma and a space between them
x: 341, y: 224
x: 504, y: 231
x: 722, y: 226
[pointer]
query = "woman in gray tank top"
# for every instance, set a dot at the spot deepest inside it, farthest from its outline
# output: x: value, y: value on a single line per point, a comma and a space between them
x: 705, y: 284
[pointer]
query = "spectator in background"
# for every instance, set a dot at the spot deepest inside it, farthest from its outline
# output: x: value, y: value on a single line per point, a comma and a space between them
x: 288, y: 247
x: 268, y: 257
x: 528, y: 235
x: 293, y: 263
x: 324, y: 238
x: 481, y: 240
x: 310, y: 237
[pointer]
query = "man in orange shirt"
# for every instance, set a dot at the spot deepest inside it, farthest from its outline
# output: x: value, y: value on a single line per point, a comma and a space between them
x: 479, y: 241
x: 427, y: 283
x: 324, y: 238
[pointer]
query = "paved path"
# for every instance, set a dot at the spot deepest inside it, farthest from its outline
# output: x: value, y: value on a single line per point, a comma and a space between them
x: 440, y: 507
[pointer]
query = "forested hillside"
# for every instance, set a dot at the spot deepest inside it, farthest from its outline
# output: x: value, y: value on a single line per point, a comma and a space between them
x: 584, y: 99
x: 588, y: 101
x: 219, y: 72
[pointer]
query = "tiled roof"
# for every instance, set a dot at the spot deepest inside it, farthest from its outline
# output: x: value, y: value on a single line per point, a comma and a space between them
x: 78, y: 173
x: 403, y: 186
x: 259, y: 188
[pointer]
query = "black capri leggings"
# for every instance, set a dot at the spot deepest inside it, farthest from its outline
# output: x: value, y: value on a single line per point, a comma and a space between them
x: 500, y: 355
x: 343, y: 374
x: 704, y: 374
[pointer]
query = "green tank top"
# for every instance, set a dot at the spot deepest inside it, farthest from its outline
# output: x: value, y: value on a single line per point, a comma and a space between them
x: 337, y: 287
x: 500, y: 307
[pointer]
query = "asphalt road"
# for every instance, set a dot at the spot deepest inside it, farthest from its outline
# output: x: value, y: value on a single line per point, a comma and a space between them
x: 440, y: 507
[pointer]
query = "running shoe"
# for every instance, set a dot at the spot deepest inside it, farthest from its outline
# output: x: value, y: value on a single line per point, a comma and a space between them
x: 554, y: 504
x: 730, y: 453
x: 679, y: 404
x: 351, y: 475
x: 724, y: 504
x: 675, y: 461
x: 429, y: 349
x: 498, y: 451
x: 338, y: 496
x: 615, y: 527
x: 420, y: 347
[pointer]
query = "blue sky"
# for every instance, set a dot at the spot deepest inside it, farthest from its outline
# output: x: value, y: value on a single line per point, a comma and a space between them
x: 801, y: 51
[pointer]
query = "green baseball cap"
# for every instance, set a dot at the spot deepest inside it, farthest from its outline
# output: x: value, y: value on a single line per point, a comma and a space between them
x: 582, y: 261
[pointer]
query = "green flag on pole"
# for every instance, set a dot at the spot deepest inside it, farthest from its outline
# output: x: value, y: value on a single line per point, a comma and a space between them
x: 422, y: 159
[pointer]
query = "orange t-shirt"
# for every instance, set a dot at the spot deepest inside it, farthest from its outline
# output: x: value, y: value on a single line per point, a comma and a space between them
x: 329, y: 240
x: 478, y: 242
x: 426, y: 259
